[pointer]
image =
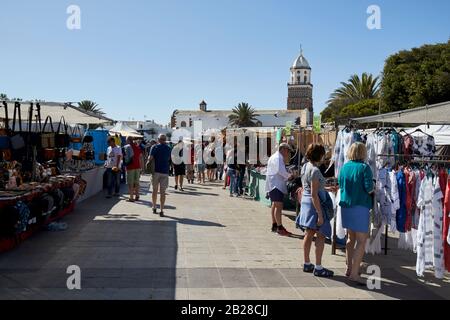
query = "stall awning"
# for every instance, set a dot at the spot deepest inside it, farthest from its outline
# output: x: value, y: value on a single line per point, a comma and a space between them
x: 72, y: 114
x: 124, y: 130
x: 431, y: 114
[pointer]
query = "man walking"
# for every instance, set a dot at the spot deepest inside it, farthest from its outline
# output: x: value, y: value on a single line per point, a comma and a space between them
x: 133, y: 161
x: 160, y: 154
x: 113, y: 165
x: 276, y: 185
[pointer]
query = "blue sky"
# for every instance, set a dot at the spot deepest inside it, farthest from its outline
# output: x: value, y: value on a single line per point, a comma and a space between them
x: 146, y: 58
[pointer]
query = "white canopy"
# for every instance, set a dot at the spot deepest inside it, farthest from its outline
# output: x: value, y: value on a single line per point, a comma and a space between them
x: 72, y: 114
x: 124, y: 130
x: 432, y: 114
x: 441, y: 133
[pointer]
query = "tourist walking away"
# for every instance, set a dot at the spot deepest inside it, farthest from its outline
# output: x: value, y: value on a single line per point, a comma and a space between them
x: 133, y: 160
x: 233, y: 171
x: 190, y: 173
x: 356, y: 185
x: 211, y: 162
x: 113, y: 166
x: 312, y: 219
x: 276, y: 186
x: 199, y: 163
x: 179, y: 167
x: 161, y: 154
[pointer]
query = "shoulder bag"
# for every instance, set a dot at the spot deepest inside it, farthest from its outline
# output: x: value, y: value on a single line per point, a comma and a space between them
x: 48, y: 138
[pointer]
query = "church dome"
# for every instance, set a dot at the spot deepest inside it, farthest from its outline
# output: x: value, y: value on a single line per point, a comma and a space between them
x: 301, y: 63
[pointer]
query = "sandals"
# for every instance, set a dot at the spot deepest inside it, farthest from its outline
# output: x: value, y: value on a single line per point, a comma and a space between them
x: 323, y: 273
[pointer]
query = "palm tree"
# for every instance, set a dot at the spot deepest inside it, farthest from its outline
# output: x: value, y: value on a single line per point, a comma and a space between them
x: 243, y: 116
x: 3, y: 96
x: 356, y: 90
x: 90, y: 106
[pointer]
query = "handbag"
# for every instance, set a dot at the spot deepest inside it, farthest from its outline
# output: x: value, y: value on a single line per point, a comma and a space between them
x: 76, y: 138
x: 48, y: 138
x: 18, y: 139
x: 49, y: 154
x: 62, y: 139
x: 35, y: 137
x: 150, y: 167
x: 4, y: 132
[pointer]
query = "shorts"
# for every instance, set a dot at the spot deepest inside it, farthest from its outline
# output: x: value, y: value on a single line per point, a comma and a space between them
x: 276, y: 195
x: 133, y: 177
x: 200, y: 167
x: 180, y: 169
x: 160, y: 180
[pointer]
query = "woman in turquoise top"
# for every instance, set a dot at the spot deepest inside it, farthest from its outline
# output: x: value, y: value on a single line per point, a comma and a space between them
x: 356, y: 186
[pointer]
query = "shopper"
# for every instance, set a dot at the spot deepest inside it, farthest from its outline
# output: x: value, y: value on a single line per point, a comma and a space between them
x: 133, y: 169
x: 113, y: 164
x: 161, y: 154
x: 276, y: 186
x: 190, y: 173
x: 233, y: 171
x: 179, y: 167
x: 211, y: 163
x: 312, y: 218
x: 356, y: 185
x: 199, y: 163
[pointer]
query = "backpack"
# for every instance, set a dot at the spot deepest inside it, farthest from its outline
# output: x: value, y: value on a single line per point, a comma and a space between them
x: 128, y: 155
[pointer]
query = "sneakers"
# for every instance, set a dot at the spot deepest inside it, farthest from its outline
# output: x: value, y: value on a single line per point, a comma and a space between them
x: 323, y: 273
x: 154, y: 211
x: 283, y: 232
x: 309, y: 268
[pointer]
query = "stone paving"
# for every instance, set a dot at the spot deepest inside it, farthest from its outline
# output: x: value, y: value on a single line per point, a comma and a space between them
x: 208, y: 246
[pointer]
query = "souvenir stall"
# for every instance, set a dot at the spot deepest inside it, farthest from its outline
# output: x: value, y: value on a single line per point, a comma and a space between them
x: 41, y: 174
x: 412, y: 195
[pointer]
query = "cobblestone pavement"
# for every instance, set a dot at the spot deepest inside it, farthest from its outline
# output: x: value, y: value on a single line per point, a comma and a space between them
x: 209, y: 246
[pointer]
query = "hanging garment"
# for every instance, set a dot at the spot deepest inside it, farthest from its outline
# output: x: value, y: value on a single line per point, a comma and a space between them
x: 408, y: 144
x: 446, y: 229
x: 340, y: 231
x: 429, y: 236
x: 424, y: 145
x: 401, y: 212
x: 410, y: 198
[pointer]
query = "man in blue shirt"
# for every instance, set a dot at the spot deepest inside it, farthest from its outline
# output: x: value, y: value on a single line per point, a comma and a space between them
x: 160, y: 154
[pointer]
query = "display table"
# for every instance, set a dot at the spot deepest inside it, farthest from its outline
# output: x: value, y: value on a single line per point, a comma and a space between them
x: 257, y: 187
x: 257, y: 190
x: 94, y: 179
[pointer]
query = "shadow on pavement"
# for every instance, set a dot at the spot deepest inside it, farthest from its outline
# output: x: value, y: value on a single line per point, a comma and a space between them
x: 195, y: 222
x: 120, y: 257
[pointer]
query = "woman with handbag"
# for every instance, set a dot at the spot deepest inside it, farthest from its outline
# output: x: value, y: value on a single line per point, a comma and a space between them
x: 312, y: 218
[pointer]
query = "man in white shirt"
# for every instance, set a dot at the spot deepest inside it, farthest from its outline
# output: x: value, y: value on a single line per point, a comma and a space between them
x: 113, y: 165
x: 276, y: 185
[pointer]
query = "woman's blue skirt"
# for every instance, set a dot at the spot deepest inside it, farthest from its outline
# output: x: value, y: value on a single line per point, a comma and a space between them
x: 356, y: 219
x: 308, y: 217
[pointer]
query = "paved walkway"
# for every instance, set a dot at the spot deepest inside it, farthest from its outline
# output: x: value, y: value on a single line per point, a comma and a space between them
x: 207, y: 247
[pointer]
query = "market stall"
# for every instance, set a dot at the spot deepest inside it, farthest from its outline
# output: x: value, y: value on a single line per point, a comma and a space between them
x: 46, y: 167
x: 412, y: 194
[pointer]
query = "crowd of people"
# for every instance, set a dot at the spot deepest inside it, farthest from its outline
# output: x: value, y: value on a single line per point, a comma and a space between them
x: 158, y: 159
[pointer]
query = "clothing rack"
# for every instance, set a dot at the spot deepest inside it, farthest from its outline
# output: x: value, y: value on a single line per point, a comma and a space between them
x: 413, y: 159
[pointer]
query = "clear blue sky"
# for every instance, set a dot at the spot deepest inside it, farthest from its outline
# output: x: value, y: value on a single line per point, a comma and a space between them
x: 145, y: 57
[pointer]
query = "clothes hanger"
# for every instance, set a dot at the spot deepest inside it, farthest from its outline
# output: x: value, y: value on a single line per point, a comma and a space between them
x: 420, y: 130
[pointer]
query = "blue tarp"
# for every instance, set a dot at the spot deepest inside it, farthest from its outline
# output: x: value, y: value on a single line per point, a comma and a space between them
x: 100, y: 143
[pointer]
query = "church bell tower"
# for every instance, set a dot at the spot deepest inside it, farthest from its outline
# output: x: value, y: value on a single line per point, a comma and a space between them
x: 300, y: 89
